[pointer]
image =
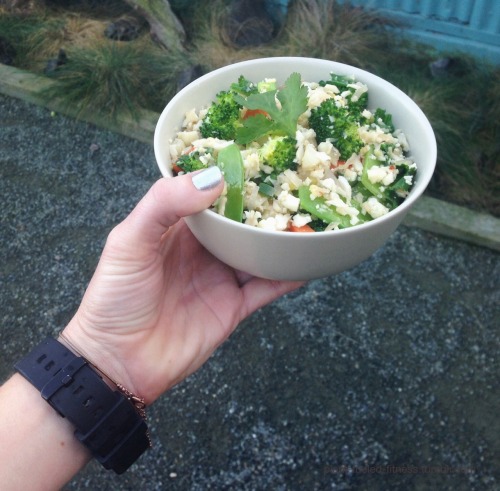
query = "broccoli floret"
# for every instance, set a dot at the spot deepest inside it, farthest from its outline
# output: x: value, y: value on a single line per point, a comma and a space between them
x: 279, y: 153
x: 344, y: 83
x: 338, y: 125
x: 382, y: 119
x: 395, y: 194
x: 222, y: 117
x: 243, y: 87
x: 189, y: 162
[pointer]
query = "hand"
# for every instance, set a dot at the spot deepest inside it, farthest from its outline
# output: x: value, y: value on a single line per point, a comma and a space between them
x: 159, y: 304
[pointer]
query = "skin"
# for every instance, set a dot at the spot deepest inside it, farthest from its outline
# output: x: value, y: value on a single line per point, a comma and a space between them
x: 155, y: 310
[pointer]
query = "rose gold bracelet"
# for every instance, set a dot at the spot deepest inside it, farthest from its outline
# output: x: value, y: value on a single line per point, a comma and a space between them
x: 138, y: 402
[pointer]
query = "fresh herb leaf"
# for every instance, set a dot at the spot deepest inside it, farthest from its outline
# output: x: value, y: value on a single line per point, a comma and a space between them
x: 281, y: 120
x: 254, y: 128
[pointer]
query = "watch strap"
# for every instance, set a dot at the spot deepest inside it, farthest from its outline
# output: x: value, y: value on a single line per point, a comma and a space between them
x: 105, y: 421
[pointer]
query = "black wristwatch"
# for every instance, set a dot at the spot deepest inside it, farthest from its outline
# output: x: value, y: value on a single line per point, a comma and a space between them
x: 105, y: 421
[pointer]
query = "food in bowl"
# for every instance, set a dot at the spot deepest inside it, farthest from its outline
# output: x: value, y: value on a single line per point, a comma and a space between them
x: 303, y: 156
x: 296, y: 256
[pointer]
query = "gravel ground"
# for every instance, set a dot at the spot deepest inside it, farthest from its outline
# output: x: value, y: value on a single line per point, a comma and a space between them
x: 383, y: 377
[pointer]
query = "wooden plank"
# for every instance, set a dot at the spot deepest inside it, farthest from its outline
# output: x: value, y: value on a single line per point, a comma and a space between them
x: 455, y: 222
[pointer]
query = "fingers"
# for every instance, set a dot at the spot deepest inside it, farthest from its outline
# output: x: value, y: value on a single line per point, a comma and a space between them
x: 167, y: 201
x: 259, y: 292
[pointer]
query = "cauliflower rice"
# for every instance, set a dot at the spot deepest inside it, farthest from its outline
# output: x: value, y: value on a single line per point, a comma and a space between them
x: 318, y: 166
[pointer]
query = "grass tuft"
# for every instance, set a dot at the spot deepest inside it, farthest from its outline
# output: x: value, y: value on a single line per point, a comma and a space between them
x: 320, y: 29
x: 113, y: 78
x: 210, y: 44
x: 463, y: 107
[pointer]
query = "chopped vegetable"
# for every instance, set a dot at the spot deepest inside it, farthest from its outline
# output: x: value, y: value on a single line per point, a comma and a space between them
x: 279, y: 120
x: 279, y: 153
x: 189, y: 162
x: 223, y: 116
x: 338, y: 125
x: 369, y: 162
x: 320, y: 209
x: 231, y: 164
x: 303, y: 228
x: 266, y: 189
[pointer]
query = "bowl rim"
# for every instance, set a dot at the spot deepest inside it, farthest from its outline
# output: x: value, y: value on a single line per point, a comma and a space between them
x: 402, y: 208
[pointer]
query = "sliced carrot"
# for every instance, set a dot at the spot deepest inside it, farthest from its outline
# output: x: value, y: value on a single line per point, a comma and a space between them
x: 189, y: 150
x: 303, y: 228
x: 337, y: 164
x: 253, y: 112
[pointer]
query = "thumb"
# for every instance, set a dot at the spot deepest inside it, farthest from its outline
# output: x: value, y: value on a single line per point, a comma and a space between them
x: 168, y: 200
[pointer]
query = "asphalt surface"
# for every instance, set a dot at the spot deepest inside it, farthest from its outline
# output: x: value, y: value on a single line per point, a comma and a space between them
x: 385, y: 377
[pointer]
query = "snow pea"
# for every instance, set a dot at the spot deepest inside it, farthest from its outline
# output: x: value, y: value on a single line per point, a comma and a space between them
x: 369, y: 161
x: 230, y: 163
x: 318, y: 208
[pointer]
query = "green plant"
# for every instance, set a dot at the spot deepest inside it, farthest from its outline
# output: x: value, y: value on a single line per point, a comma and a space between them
x: 23, y: 30
x: 325, y: 29
x: 111, y: 78
x: 463, y: 107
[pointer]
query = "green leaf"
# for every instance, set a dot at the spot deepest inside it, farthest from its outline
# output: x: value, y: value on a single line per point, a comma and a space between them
x: 260, y: 100
x: 293, y: 100
x: 282, y: 120
x: 254, y: 128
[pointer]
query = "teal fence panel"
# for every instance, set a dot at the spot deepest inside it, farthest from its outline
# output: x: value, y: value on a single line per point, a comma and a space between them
x: 469, y: 26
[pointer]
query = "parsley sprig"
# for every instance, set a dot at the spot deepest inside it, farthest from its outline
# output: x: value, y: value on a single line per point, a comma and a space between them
x: 279, y: 120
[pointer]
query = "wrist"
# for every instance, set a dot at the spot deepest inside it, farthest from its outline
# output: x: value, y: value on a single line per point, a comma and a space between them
x: 105, y: 421
x: 35, y: 437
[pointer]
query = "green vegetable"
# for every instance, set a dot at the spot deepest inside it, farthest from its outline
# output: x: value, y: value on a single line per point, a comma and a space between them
x: 243, y: 87
x: 369, y: 161
x: 396, y: 192
x: 190, y: 162
x: 230, y: 162
x: 383, y: 119
x: 266, y: 189
x: 222, y: 117
x: 393, y: 194
x: 318, y: 208
x: 338, y: 125
x: 343, y: 83
x: 279, y: 153
x: 279, y: 120
x: 266, y: 86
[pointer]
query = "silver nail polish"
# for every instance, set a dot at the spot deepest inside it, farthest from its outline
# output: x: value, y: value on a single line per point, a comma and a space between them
x: 207, y: 178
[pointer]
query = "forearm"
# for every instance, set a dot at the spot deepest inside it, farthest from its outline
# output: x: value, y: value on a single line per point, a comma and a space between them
x: 38, y: 449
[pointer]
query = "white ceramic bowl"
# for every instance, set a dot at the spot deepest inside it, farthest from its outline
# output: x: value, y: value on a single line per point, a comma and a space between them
x: 296, y: 256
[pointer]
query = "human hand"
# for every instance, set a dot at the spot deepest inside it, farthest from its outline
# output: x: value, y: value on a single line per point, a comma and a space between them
x: 159, y: 304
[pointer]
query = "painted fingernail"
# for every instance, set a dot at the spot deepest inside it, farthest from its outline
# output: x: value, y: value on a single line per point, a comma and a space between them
x: 207, y: 178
